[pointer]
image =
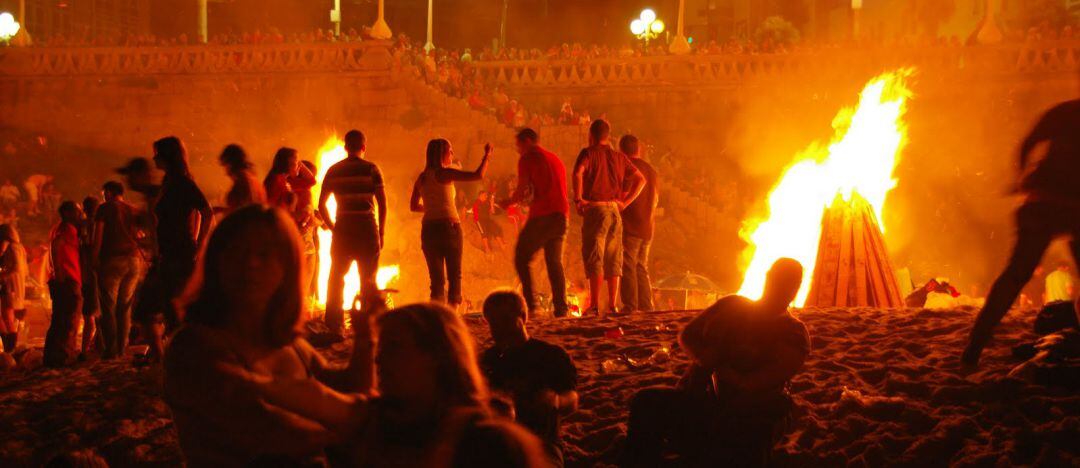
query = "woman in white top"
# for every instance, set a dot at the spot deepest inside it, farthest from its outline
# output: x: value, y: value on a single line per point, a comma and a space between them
x: 440, y: 238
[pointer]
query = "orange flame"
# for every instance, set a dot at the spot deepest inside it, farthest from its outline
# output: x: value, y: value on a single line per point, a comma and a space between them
x: 332, y: 151
x: 860, y: 158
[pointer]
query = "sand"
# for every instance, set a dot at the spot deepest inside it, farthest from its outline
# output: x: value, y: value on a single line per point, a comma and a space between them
x: 880, y: 388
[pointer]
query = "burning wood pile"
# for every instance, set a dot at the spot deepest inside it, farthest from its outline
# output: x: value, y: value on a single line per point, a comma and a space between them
x: 826, y: 209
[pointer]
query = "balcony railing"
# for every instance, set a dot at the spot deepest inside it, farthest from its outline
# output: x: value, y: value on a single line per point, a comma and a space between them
x: 180, y: 60
x: 1043, y: 57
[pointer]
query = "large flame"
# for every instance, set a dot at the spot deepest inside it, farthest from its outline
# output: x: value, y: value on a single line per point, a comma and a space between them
x: 860, y: 158
x: 330, y: 153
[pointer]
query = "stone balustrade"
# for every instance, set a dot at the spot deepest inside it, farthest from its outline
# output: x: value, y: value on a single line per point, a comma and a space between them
x: 1037, y: 57
x: 1042, y: 57
x: 181, y: 60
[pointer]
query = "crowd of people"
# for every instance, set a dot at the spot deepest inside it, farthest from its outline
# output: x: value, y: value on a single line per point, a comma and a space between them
x: 221, y: 296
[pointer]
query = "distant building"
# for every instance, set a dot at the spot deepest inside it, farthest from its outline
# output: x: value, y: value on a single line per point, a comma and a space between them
x: 86, y: 18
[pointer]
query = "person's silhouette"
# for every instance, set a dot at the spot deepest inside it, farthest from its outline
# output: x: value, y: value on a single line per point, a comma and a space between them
x: 1051, y: 209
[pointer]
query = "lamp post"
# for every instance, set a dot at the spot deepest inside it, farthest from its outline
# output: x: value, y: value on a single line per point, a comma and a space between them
x: 202, y: 21
x: 647, y: 26
x: 8, y: 27
x: 428, y: 45
x: 679, y: 44
x: 856, y: 10
x: 381, y: 30
x: 335, y: 17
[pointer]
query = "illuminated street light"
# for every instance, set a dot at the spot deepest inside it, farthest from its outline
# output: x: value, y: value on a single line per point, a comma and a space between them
x: 8, y: 26
x: 647, y: 27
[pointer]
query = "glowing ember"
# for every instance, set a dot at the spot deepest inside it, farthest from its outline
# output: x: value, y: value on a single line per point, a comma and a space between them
x: 860, y: 158
x: 331, y: 152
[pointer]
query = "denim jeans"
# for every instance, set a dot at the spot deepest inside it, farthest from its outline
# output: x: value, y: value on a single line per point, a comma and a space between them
x: 61, y: 340
x: 636, y: 287
x: 442, y: 244
x: 355, y: 239
x: 546, y: 232
x: 118, y: 277
x: 601, y: 241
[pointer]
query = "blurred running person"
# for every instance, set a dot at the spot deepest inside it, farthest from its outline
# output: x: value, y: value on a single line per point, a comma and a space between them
x: 13, y: 274
x: 246, y: 190
x: 1051, y: 210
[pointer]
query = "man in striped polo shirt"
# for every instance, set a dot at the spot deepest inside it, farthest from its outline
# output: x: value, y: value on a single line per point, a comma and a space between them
x: 357, y: 186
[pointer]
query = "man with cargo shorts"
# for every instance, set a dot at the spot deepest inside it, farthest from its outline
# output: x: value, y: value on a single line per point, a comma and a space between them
x: 600, y: 174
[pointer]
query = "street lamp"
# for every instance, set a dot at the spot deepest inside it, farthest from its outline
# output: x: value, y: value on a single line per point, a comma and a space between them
x: 8, y: 27
x: 647, y: 26
x: 856, y: 10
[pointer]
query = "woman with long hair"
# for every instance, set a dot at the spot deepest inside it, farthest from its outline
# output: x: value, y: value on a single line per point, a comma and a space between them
x: 245, y: 189
x: 183, y: 218
x: 242, y: 329
x: 13, y: 273
x: 440, y: 235
x: 287, y: 175
x: 431, y: 405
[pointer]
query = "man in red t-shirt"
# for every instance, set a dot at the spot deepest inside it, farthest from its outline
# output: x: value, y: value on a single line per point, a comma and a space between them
x: 541, y: 176
x: 65, y: 288
x: 605, y: 182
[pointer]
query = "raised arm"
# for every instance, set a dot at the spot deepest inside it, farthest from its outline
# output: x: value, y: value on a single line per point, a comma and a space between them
x: 448, y: 174
x: 416, y: 204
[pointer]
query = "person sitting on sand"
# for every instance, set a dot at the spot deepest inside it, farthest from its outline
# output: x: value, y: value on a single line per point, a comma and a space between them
x: 241, y: 328
x: 538, y: 376
x: 431, y: 406
x: 730, y: 404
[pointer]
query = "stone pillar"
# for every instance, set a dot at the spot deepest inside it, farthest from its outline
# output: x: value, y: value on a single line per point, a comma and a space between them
x: 202, y: 21
x: 429, y: 45
x: 381, y: 30
x: 679, y: 44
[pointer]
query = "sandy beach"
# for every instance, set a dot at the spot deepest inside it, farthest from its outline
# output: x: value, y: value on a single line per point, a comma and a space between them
x: 880, y: 388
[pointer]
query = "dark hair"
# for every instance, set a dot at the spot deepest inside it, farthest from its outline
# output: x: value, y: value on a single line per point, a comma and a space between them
x: 66, y: 207
x: 280, y: 164
x: 629, y: 145
x: 205, y: 296
x: 528, y: 135
x: 90, y: 205
x: 234, y: 158
x: 354, y: 141
x: 113, y: 187
x: 311, y: 166
x: 504, y: 304
x: 435, y: 150
x: 173, y: 156
x: 599, y: 129
x: 440, y: 333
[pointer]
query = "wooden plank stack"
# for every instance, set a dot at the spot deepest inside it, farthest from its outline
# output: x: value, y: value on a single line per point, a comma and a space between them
x: 853, y: 267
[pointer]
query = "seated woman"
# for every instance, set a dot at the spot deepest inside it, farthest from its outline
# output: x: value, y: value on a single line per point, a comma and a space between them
x: 241, y: 330
x: 431, y: 408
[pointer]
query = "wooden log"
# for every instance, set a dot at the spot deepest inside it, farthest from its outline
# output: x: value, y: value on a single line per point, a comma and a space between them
x: 853, y: 267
